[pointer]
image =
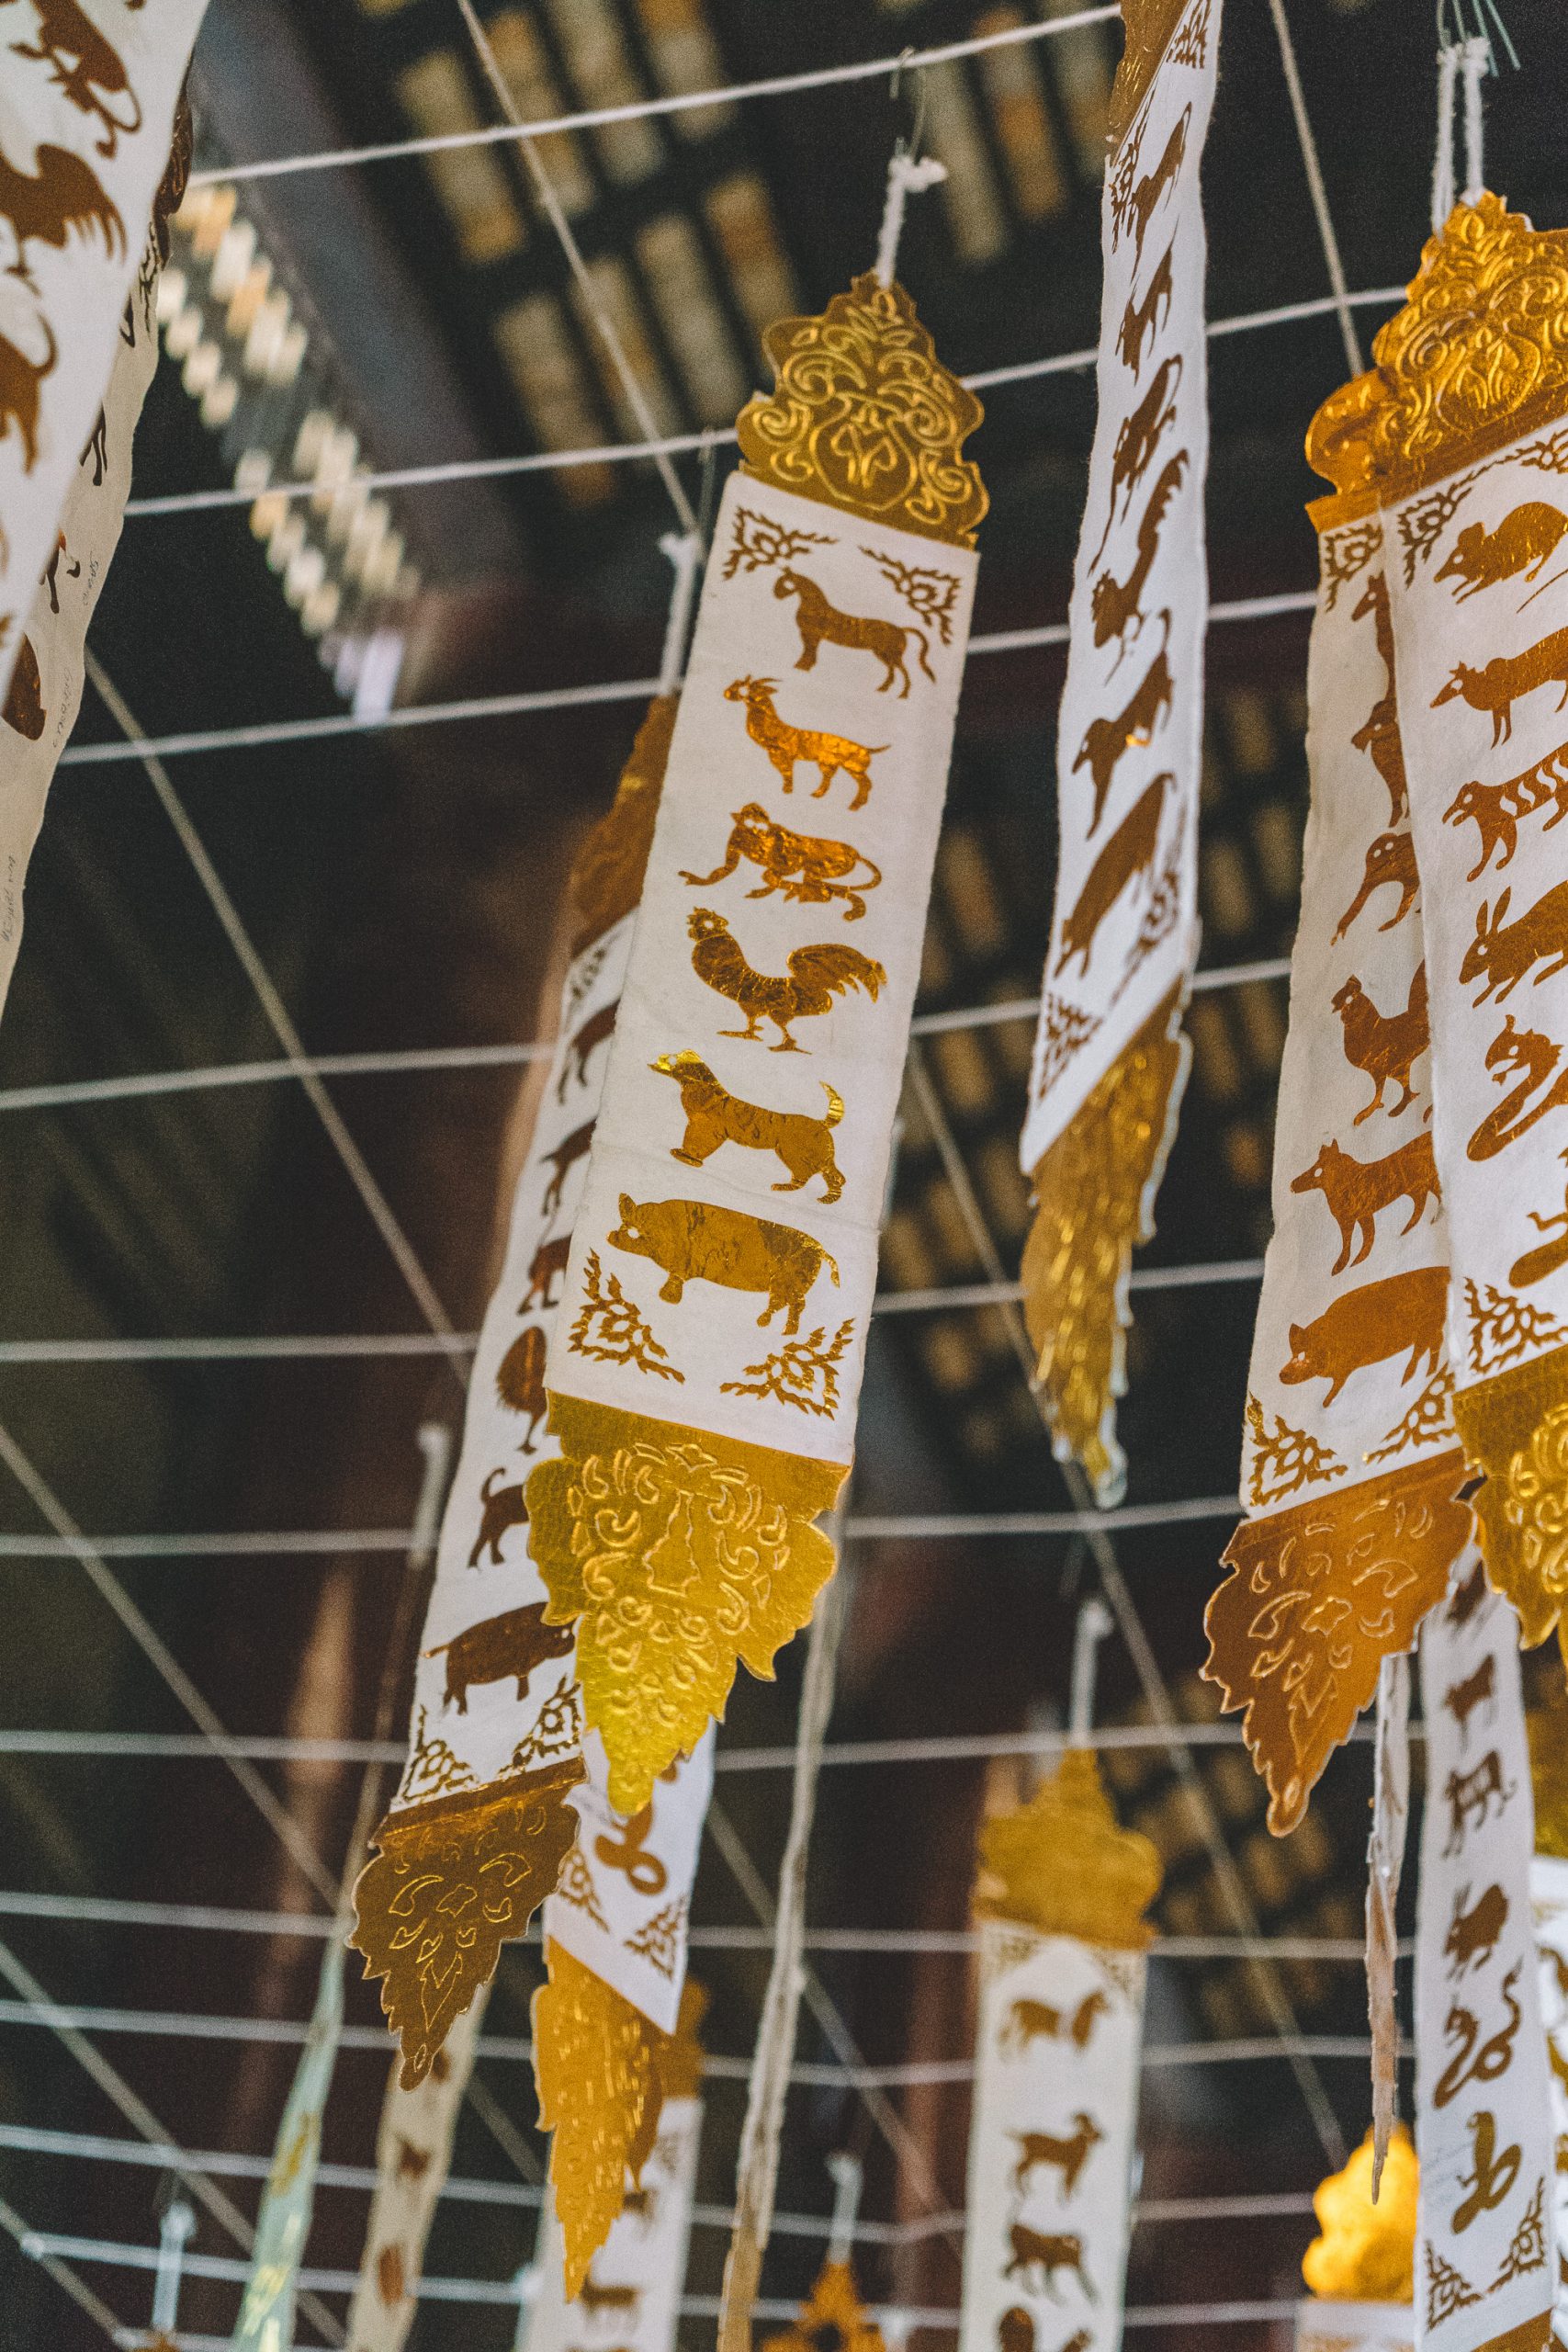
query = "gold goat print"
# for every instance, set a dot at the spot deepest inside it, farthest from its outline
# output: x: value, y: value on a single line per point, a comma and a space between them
x: 610, y: 1328
x: 1386, y: 1045
x: 1128, y: 856
x: 820, y: 622
x: 805, y: 870
x: 788, y: 746
x: 1379, y: 734
x: 1495, y: 808
x: 715, y: 1117
x: 692, y: 1241
x: 815, y: 975
x: 95, y: 74
x: 1107, y: 740
x: 1355, y: 1189
x: 1391, y: 860
x: 1505, y: 680
x: 1537, y: 1060
x: 1502, y: 952
x: 1137, y: 438
x: 1144, y: 317
x: 1114, y: 605
x: 804, y: 1372
x: 1521, y: 544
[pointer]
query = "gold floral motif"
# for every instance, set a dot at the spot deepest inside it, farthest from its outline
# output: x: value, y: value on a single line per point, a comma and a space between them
x: 453, y: 1881
x: 1063, y: 1864
x: 681, y: 1554
x: 792, y: 1373
x: 1478, y: 355
x: 1514, y: 1432
x: 607, y: 879
x: 1502, y: 1326
x: 1094, y: 1191
x: 1282, y: 1460
x: 1321, y: 1594
x: 866, y: 418
x: 1149, y: 26
x: 1367, y: 2252
x: 611, y: 1328
x: 831, y: 2315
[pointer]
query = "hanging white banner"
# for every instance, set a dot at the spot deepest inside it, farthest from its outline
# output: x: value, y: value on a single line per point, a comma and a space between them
x: 282, y: 2225
x: 1486, y: 2273
x: 1549, y: 1901
x: 630, y: 2298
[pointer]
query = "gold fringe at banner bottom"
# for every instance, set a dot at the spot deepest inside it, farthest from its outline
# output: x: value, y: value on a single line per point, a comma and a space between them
x: 604, y: 2071
x: 1094, y: 1193
x: 1515, y: 1431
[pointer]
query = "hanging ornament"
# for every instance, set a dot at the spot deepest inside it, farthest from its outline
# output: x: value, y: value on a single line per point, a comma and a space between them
x: 1360, y: 2271
x: 1061, y: 1897
x: 704, y: 1369
x: 1548, y: 1732
x: 482, y: 1822
x: 1110, y: 1057
x: 1486, y: 2269
x: 832, y: 2318
x: 46, y: 662
x: 266, y: 2315
x: 634, y: 2280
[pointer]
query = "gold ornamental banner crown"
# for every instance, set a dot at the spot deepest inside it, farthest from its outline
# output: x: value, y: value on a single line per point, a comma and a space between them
x: 1063, y: 1864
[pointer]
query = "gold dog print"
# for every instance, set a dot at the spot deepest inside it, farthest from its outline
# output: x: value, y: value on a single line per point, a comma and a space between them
x: 805, y: 870
x: 715, y: 1117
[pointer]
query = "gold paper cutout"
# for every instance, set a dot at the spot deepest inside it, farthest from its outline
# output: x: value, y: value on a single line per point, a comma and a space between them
x: 681, y: 1554
x: 453, y: 1881
x: 831, y: 2316
x: 802, y: 1142
x: 788, y: 746
x: 1367, y: 2252
x: 1514, y: 1428
x: 607, y: 879
x: 1094, y: 1193
x: 1149, y: 26
x: 1320, y: 1595
x: 865, y: 417
x: 1478, y: 355
x: 1063, y: 1864
x: 594, y: 2063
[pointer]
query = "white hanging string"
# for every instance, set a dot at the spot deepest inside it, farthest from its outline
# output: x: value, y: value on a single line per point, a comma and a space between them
x: 684, y: 549
x: 848, y: 2175
x: 1475, y: 65
x: 1095, y: 1621
x: 1469, y: 61
x: 906, y: 175
x: 1316, y: 187
x: 1443, y: 156
x: 173, y: 2235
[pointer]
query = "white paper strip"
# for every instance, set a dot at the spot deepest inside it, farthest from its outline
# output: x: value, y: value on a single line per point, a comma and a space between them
x: 1485, y: 2262
x: 1050, y: 2142
x: 1548, y: 1901
x: 631, y: 2299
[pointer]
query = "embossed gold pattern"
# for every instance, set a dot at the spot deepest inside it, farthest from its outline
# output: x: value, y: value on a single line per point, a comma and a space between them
x: 453, y: 1881
x: 1094, y: 1200
x: 607, y: 879
x: 865, y: 417
x: 1367, y: 2252
x: 831, y: 2319
x: 1321, y: 1594
x: 1063, y: 1864
x: 1514, y: 1428
x: 1149, y: 26
x: 1478, y: 355
x: 681, y: 1554
x: 595, y: 2061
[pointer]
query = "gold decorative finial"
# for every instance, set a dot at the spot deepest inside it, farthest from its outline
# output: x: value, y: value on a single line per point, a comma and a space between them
x: 1061, y: 1863
x: 832, y: 2315
x: 1367, y: 2252
x: 866, y: 418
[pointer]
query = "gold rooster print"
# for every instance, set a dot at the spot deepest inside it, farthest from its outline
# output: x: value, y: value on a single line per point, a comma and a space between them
x: 815, y: 975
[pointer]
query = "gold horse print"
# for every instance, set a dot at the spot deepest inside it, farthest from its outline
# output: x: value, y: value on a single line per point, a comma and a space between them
x: 715, y: 1117
x: 697, y: 1241
x: 786, y: 746
x: 804, y: 869
x: 821, y: 623
x: 1114, y: 605
x: 815, y: 975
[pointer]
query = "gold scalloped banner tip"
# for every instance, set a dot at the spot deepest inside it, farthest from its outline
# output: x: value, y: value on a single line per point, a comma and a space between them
x: 680, y: 1555
x: 831, y: 2319
x: 1367, y: 2252
x: 453, y: 1881
x: 1320, y: 1594
x: 1514, y: 1428
x: 1478, y: 355
x: 1063, y: 1863
x: 865, y: 417
x: 607, y: 874
x: 596, y: 2063
x: 1094, y: 1193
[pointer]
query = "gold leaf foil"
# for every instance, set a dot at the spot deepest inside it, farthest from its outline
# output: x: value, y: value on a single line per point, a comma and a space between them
x: 1321, y: 1594
x: 1149, y: 25
x: 454, y: 1879
x: 830, y: 2320
x: 1514, y: 1428
x: 607, y: 876
x: 1094, y: 1193
x: 1063, y: 1864
x: 1547, y: 1728
x: 595, y: 2061
x: 681, y: 1555
x: 866, y: 418
x: 1367, y: 2252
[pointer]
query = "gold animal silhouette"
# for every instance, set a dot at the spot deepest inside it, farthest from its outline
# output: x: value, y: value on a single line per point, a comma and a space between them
x: 821, y: 622
x: 1031, y: 2021
x: 1390, y: 858
x: 45, y: 205
x: 1502, y: 952
x: 1047, y: 2251
x: 1128, y: 856
x: 1113, y: 603
x: 500, y: 1507
x: 96, y: 73
x: 596, y: 1031
x: 1106, y: 739
x: 1069, y: 2154
x: 785, y: 745
x: 545, y: 1267
x: 1379, y: 735
x: 1467, y: 1599
x: 1355, y: 1189
x: 1522, y: 542
x: 1138, y: 436
x: 1495, y: 2056
x: 806, y: 870
x: 1490, y: 2176
x: 1140, y: 206
x: 715, y: 1117
x: 645, y: 1873
x: 23, y: 708
x: 1461, y: 1698
x: 1384, y: 1045
x: 565, y: 1155
x: 501, y: 1650
x: 520, y: 1381
x: 1538, y: 1057
x: 1469, y: 1796
x: 1368, y: 1325
x: 412, y: 2162
x: 21, y: 383
x: 1140, y: 319
x: 817, y: 975
x: 1496, y: 809
x: 693, y: 1241
x: 595, y: 2299
x: 1536, y: 1264
x: 1474, y: 1929
x: 1502, y: 683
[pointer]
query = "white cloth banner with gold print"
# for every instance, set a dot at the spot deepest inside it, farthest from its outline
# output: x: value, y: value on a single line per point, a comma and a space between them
x: 704, y: 1369
x: 87, y: 96
x: 630, y: 2300
x: 1109, y: 1061
x: 1485, y: 2270
x: 1350, y: 1465
x: 481, y: 1824
x: 1548, y: 1901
